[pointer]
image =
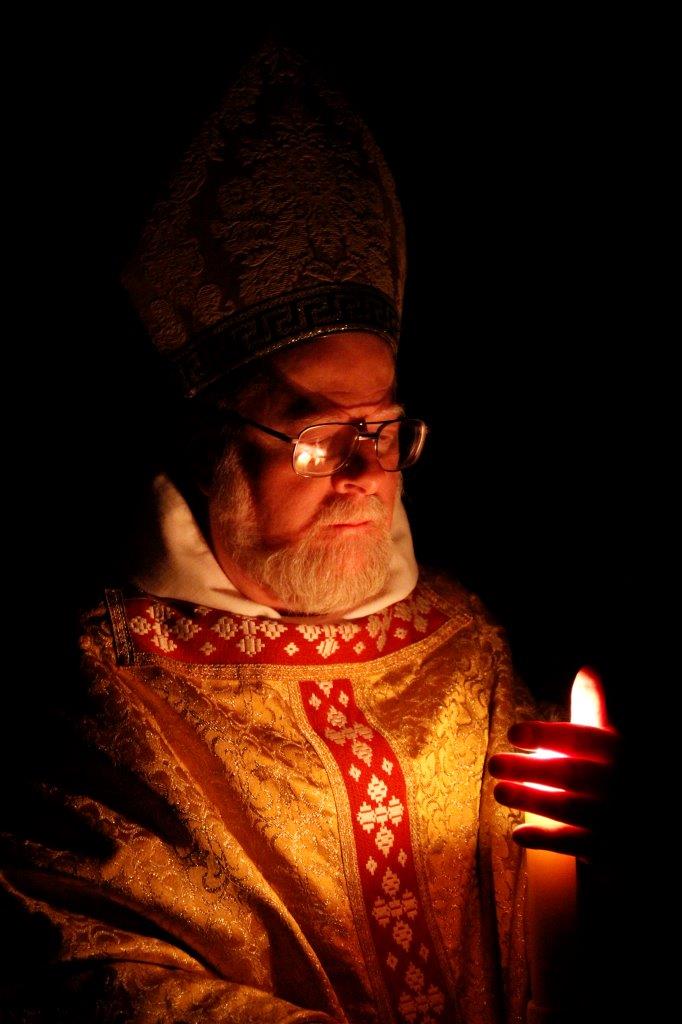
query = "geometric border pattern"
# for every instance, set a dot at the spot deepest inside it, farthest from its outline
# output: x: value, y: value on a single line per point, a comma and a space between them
x: 377, y: 796
x: 208, y: 636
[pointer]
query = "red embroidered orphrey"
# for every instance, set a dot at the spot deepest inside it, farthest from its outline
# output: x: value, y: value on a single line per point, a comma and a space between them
x: 377, y: 795
x: 208, y: 636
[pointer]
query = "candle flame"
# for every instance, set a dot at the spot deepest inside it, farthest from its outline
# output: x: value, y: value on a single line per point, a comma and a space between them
x: 587, y: 703
x: 587, y: 708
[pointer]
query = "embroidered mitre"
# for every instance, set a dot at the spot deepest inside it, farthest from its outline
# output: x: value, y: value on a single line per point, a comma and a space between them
x: 281, y: 224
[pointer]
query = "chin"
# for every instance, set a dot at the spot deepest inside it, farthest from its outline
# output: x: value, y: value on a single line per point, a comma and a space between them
x: 322, y: 578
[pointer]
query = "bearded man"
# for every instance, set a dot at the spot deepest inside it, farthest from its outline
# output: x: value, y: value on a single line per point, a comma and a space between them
x: 274, y: 799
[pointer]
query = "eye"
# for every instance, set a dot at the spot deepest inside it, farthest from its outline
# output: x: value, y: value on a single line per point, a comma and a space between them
x: 322, y: 448
x: 389, y: 438
x: 309, y: 454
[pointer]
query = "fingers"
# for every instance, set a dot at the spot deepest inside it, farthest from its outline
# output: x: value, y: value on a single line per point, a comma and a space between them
x: 569, y: 808
x: 576, y: 842
x: 566, y: 738
x: 579, y: 774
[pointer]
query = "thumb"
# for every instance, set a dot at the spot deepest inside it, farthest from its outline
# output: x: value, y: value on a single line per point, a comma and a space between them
x: 588, y: 700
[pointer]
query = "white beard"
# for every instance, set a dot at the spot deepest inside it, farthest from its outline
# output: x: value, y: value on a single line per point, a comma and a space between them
x: 318, y: 574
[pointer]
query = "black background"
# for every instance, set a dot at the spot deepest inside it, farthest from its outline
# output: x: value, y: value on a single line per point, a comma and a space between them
x: 529, y: 155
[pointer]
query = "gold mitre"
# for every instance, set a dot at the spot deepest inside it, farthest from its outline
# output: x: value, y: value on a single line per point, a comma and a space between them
x: 281, y: 224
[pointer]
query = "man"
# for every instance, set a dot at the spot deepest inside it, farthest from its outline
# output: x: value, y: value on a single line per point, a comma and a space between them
x: 273, y: 799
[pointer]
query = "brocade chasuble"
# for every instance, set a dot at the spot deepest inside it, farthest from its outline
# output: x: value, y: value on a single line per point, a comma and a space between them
x: 288, y: 821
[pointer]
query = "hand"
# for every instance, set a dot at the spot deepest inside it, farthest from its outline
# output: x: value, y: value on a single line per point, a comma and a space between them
x: 578, y: 762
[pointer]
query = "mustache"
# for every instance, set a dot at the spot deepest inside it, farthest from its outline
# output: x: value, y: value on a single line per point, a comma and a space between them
x: 351, y: 510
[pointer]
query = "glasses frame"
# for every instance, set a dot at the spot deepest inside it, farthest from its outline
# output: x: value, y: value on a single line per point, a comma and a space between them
x: 361, y: 434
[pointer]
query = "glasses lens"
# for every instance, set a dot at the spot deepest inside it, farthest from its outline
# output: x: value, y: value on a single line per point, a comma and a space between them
x: 400, y: 443
x: 322, y: 449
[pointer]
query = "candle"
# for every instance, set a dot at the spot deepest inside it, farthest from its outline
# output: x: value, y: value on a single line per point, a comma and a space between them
x: 551, y: 917
x: 551, y: 927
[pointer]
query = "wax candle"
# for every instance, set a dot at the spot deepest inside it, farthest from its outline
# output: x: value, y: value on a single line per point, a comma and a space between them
x: 551, y: 928
x: 552, y: 911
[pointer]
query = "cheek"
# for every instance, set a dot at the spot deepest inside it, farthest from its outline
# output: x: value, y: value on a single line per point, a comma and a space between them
x: 268, y: 473
x: 390, y: 490
x: 285, y: 501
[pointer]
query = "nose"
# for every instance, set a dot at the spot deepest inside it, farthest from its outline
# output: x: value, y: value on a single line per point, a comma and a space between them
x: 362, y: 473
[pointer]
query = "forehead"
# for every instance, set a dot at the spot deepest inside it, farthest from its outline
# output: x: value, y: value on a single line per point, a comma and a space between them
x: 347, y: 370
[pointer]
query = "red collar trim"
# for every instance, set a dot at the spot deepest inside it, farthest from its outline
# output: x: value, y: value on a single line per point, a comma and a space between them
x: 195, y: 634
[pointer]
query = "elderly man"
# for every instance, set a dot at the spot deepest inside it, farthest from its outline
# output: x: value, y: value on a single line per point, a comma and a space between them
x: 275, y: 800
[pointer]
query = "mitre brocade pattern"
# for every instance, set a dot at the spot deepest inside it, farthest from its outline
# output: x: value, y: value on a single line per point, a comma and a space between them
x: 282, y: 191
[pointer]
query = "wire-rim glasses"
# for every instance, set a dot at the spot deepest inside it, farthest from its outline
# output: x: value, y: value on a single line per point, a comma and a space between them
x: 322, y: 449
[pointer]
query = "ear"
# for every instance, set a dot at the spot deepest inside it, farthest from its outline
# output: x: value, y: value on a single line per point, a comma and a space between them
x: 198, y: 474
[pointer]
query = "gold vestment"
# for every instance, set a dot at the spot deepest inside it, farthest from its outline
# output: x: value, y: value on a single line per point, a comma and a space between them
x: 208, y: 862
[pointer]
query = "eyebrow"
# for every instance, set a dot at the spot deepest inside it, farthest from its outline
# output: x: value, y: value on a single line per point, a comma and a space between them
x: 304, y: 409
x: 298, y: 407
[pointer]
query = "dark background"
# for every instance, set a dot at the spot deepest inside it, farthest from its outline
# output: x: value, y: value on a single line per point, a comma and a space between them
x: 528, y: 156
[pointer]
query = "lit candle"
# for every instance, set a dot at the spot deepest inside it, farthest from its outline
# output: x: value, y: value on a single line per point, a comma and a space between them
x: 551, y: 918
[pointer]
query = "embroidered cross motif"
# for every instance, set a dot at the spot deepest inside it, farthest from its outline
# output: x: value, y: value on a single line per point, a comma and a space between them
x: 383, y: 849
x: 392, y: 813
x: 195, y: 633
x: 164, y: 627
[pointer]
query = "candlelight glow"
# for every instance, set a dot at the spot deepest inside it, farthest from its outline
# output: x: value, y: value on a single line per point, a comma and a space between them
x: 543, y: 754
x: 309, y: 454
x: 551, y: 922
x: 586, y: 709
x: 586, y: 706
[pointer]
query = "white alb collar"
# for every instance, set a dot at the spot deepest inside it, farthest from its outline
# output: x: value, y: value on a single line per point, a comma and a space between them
x: 187, y: 570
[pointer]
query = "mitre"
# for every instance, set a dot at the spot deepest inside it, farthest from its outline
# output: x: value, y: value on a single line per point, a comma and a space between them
x: 281, y: 224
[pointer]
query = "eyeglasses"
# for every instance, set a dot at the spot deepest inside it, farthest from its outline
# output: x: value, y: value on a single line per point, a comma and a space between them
x: 324, y: 448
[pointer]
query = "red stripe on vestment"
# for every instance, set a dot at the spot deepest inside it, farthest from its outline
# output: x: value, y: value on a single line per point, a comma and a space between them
x: 377, y: 795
